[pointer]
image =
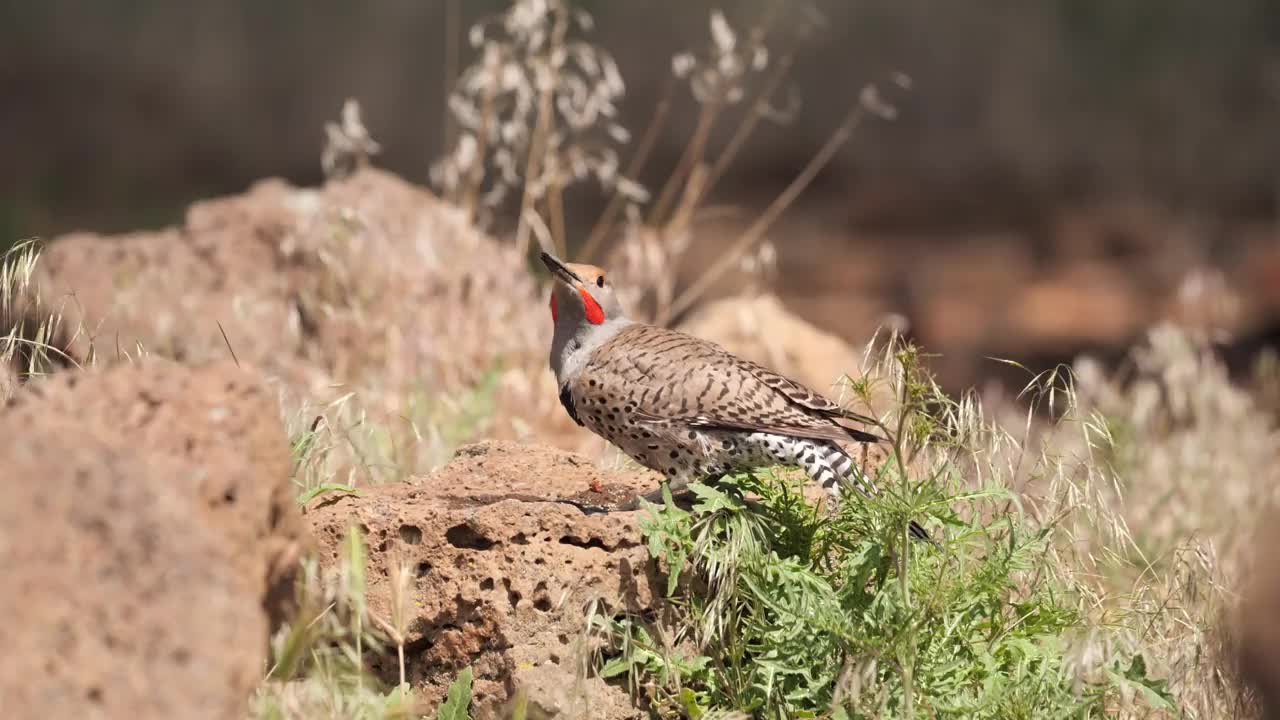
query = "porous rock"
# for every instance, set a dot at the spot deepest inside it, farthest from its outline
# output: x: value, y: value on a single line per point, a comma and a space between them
x: 504, y: 575
x: 147, y: 539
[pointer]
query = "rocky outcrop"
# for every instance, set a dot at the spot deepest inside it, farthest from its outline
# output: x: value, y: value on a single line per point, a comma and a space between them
x: 368, y: 287
x: 504, y: 574
x: 148, y: 538
x: 365, y: 279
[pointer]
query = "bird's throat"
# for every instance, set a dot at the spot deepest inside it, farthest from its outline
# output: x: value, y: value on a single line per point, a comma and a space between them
x: 593, y: 312
x: 591, y: 309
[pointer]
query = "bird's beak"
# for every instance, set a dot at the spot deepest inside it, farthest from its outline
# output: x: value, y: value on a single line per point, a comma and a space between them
x: 560, y: 271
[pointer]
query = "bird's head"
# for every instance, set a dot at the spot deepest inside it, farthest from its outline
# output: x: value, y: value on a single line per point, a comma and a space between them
x: 581, y: 295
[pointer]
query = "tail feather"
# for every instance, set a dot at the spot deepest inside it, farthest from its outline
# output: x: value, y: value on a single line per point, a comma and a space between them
x: 830, y: 465
x: 918, y: 532
x: 861, y: 435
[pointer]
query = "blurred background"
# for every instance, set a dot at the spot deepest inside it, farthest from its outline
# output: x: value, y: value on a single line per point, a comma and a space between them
x: 1061, y: 174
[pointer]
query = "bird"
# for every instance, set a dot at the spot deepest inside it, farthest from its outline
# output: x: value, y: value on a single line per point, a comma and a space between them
x: 684, y: 406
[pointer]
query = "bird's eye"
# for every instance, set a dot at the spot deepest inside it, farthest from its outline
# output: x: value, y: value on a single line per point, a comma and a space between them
x: 600, y: 281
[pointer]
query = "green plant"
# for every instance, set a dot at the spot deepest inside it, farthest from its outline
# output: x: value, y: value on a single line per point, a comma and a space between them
x: 318, y: 665
x: 788, y: 610
x: 458, y: 699
x: 340, y: 445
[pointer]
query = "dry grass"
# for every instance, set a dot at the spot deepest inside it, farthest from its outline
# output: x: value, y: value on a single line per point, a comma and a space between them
x: 1165, y: 482
x: 32, y: 344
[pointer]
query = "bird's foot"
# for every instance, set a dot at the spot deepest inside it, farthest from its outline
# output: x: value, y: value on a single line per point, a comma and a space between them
x: 586, y: 508
x: 680, y: 493
x: 655, y: 497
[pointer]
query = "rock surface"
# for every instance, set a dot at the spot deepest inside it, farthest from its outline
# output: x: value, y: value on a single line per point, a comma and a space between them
x: 368, y: 288
x: 365, y: 279
x: 148, y: 541
x: 504, y: 576
x: 1256, y: 626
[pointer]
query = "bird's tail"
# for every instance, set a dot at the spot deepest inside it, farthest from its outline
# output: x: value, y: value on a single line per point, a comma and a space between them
x: 830, y: 465
x: 918, y: 532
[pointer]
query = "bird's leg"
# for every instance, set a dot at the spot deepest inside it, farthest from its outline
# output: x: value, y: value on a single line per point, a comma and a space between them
x: 714, y: 479
x: 586, y: 508
x: 656, y: 496
x: 679, y: 488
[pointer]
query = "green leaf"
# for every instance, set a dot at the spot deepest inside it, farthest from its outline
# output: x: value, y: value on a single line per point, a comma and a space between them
x: 692, y: 704
x: 323, y: 488
x: 1155, y: 692
x: 458, y: 703
x: 399, y: 701
x: 673, y: 576
x: 711, y: 499
x: 616, y: 667
x: 354, y: 567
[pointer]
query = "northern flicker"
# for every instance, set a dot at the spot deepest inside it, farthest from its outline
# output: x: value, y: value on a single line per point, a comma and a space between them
x: 684, y: 406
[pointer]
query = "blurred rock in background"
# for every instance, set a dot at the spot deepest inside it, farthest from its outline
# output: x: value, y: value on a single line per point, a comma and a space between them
x: 150, y: 541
